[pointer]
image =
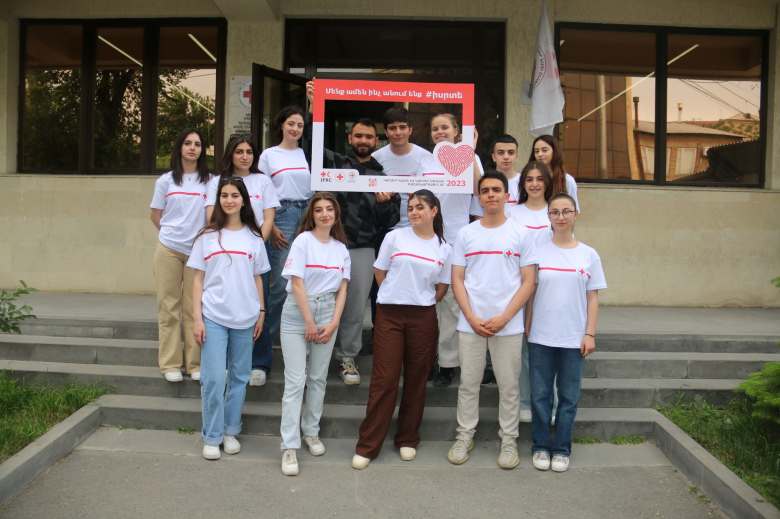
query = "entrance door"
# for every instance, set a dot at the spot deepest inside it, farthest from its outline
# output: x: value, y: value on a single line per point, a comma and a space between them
x: 272, y: 90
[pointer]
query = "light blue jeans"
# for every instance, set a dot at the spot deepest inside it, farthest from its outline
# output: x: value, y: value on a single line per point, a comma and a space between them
x: 305, y: 365
x: 222, y: 408
x: 287, y: 218
x: 525, y: 382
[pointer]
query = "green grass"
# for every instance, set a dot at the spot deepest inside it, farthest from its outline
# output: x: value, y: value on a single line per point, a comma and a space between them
x: 746, y: 445
x: 629, y: 439
x: 185, y: 430
x: 586, y: 440
x: 29, y: 411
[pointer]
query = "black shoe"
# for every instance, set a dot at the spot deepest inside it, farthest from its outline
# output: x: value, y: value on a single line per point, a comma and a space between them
x: 488, y: 377
x: 433, y: 372
x: 443, y: 377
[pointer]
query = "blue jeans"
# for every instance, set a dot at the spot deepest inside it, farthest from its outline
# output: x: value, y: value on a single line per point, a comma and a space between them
x: 288, y: 216
x: 560, y: 368
x: 305, y: 366
x: 262, y: 352
x: 222, y: 408
x: 525, y: 381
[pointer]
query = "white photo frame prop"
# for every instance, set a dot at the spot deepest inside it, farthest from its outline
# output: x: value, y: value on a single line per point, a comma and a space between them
x: 450, y: 171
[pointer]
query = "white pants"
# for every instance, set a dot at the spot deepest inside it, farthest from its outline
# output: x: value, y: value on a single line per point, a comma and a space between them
x: 505, y: 352
x: 448, y: 312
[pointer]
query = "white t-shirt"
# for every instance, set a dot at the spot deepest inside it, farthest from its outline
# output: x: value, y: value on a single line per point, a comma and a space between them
x: 411, y: 164
x: 414, y: 266
x: 536, y: 222
x: 571, y: 190
x: 493, y: 258
x: 183, y: 210
x: 229, y: 291
x: 289, y: 172
x: 262, y: 194
x: 514, y: 196
x: 322, y: 266
x: 455, y: 209
x: 560, y: 305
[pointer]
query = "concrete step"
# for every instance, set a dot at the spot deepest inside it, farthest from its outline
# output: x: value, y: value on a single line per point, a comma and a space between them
x: 343, y: 421
x: 602, y: 364
x: 147, y: 381
x: 715, y: 343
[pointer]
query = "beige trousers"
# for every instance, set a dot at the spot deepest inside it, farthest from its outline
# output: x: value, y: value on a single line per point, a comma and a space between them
x: 174, y: 311
x: 505, y: 353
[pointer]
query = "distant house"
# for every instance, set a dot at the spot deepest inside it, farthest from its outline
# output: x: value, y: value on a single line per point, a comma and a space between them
x: 687, y: 144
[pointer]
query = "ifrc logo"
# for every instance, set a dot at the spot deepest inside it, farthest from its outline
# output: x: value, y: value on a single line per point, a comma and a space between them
x: 250, y: 256
x: 340, y: 177
x: 257, y: 196
x: 324, y: 174
x: 508, y: 253
x: 583, y: 273
x: 204, y: 196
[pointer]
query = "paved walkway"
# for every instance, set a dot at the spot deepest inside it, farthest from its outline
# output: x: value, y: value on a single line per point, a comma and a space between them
x: 131, y: 473
x: 612, y: 319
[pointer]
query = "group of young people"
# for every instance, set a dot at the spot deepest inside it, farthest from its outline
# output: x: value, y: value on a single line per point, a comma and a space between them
x: 252, y: 252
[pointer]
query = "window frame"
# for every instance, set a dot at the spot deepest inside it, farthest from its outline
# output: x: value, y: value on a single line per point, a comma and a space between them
x: 150, y: 84
x: 661, y: 76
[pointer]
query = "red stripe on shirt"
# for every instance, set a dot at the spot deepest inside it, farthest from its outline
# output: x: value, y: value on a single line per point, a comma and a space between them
x: 326, y: 267
x: 556, y: 269
x: 416, y: 256
x: 287, y: 169
x: 183, y: 193
x: 537, y: 227
x: 236, y: 252
x: 490, y: 252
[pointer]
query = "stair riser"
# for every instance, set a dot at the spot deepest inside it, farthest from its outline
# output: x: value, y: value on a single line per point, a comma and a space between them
x: 430, y: 429
x: 338, y: 393
x: 592, y: 368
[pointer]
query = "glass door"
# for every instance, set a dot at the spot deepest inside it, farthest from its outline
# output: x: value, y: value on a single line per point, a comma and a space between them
x: 271, y: 91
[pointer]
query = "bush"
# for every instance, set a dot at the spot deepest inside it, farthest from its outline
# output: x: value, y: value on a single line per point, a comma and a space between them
x: 763, y: 388
x: 12, y: 314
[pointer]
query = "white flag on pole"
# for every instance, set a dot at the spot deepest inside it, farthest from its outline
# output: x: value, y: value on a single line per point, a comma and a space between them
x: 546, y: 92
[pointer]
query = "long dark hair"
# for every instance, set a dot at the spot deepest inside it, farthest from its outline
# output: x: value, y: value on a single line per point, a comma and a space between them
x: 542, y: 168
x: 226, y: 164
x: 432, y: 201
x: 308, y: 224
x: 284, y: 114
x: 556, y: 164
x: 176, y: 163
x: 219, y: 218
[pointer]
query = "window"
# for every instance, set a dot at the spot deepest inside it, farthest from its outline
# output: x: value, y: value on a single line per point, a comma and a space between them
x: 109, y: 96
x: 705, y: 88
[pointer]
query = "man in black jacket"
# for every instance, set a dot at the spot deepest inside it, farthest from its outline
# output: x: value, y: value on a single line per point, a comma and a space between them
x: 366, y: 218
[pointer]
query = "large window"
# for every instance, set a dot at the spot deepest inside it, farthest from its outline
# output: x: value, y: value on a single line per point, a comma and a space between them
x: 108, y: 96
x: 663, y: 105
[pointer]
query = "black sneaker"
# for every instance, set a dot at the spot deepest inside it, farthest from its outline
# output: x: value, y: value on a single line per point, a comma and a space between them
x: 443, y: 377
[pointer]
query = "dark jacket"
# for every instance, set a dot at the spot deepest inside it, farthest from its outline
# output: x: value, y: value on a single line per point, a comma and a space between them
x: 365, y: 221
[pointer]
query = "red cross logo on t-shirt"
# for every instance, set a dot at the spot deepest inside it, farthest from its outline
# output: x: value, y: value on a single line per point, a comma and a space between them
x: 257, y: 197
x: 583, y: 273
x: 250, y: 256
x: 508, y: 253
x: 204, y: 196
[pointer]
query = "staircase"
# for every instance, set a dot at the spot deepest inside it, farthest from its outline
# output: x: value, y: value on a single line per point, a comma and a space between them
x: 624, y: 380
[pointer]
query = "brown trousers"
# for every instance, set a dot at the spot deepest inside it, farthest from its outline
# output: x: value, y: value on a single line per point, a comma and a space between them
x: 404, y: 336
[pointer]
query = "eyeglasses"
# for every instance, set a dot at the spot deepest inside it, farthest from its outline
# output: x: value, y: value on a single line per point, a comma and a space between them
x: 566, y: 213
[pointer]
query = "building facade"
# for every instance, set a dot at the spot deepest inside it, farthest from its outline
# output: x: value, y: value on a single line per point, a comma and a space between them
x: 74, y: 196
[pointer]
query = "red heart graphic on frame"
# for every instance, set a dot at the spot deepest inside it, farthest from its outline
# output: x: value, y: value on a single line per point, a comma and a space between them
x: 455, y: 158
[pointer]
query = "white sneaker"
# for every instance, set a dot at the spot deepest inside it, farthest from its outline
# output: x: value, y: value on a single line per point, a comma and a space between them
x: 211, y: 452
x: 541, y: 460
x: 195, y: 375
x: 508, y: 458
x: 560, y: 463
x: 173, y: 376
x: 349, y: 372
x: 360, y: 462
x: 230, y: 445
x: 289, y: 463
x: 459, y: 452
x: 408, y: 453
x: 315, y: 445
x: 525, y: 415
x: 258, y: 377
